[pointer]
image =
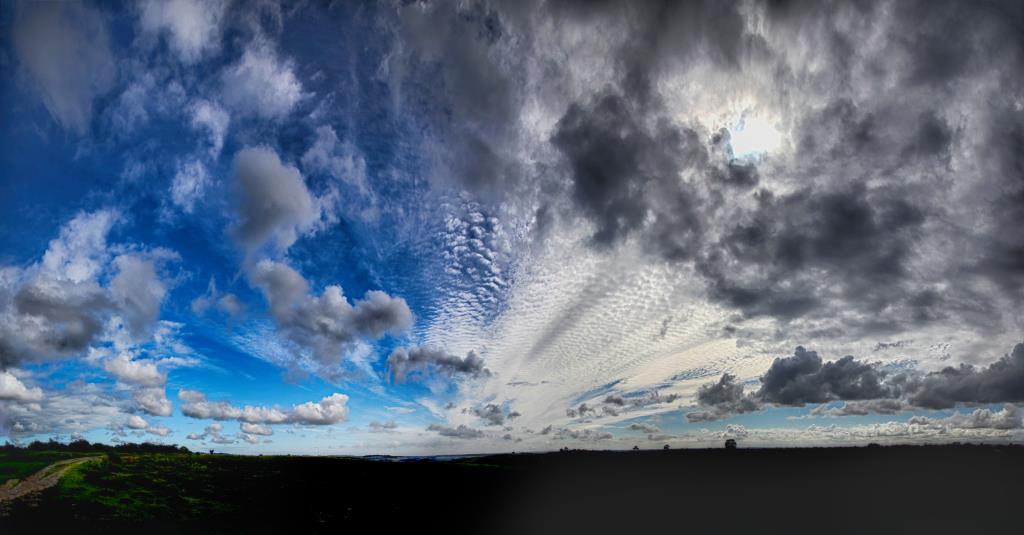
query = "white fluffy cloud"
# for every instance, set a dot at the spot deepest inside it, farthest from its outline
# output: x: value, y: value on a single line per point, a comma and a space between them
x: 193, y: 27
x: 80, y: 252
x: 197, y: 406
x: 209, y: 117
x: 1009, y: 417
x: 256, y: 429
x: 146, y: 377
x: 340, y: 160
x: 134, y: 372
x: 56, y: 308
x: 261, y: 84
x: 329, y: 410
x: 136, y: 422
x: 153, y: 400
x: 212, y: 433
x: 189, y: 184
x: 159, y: 430
x: 76, y: 408
x: 64, y: 48
x: 12, y: 389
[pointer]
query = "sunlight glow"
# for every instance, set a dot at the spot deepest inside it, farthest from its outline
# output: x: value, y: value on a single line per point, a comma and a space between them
x: 753, y: 136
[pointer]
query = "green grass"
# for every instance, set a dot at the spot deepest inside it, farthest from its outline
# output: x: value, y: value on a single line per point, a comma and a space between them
x: 22, y: 464
x: 152, y: 486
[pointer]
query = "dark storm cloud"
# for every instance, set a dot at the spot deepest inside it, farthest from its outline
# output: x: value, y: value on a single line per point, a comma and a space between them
x: 933, y: 137
x: 627, y: 155
x: 617, y: 404
x: 456, y: 432
x: 66, y: 320
x: 1000, y: 382
x: 878, y: 104
x: 581, y: 411
x: 803, y: 378
x: 936, y: 60
x: 882, y: 346
x: 448, y: 52
x: 855, y: 242
x: 846, y: 244
x: 619, y: 166
x: 491, y: 413
x: 722, y: 399
x: 654, y: 397
x: 615, y: 399
x: 795, y: 381
x: 865, y: 388
x: 416, y: 361
x: 475, y: 65
x: 737, y: 174
x: 1003, y: 260
x: 796, y: 250
x: 326, y: 324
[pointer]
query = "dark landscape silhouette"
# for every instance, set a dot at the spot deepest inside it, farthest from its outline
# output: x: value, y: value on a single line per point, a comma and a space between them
x: 955, y: 488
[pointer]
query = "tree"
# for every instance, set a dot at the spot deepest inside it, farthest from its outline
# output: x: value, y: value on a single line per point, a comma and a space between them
x: 730, y: 444
x: 666, y: 448
x: 80, y: 445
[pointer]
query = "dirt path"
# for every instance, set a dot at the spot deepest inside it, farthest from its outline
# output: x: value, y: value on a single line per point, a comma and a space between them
x: 43, y: 479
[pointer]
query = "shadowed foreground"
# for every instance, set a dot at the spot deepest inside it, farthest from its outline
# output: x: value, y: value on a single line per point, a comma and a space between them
x: 840, y: 490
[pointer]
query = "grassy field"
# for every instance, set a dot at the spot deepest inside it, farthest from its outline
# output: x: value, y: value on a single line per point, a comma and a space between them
x: 20, y: 464
x: 171, y: 492
x: 150, y: 486
x: 841, y: 490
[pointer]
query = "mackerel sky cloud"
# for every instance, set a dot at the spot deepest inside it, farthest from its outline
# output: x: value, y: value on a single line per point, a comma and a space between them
x: 443, y: 227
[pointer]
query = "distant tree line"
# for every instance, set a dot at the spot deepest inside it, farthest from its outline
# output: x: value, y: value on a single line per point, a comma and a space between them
x: 84, y: 446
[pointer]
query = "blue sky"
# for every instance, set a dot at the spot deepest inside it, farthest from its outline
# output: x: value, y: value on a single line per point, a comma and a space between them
x: 442, y: 228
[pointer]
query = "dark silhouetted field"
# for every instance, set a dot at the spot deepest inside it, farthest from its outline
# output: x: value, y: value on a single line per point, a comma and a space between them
x: 968, y: 489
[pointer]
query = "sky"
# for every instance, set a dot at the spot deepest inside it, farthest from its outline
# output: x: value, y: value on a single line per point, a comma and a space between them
x: 424, y: 228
